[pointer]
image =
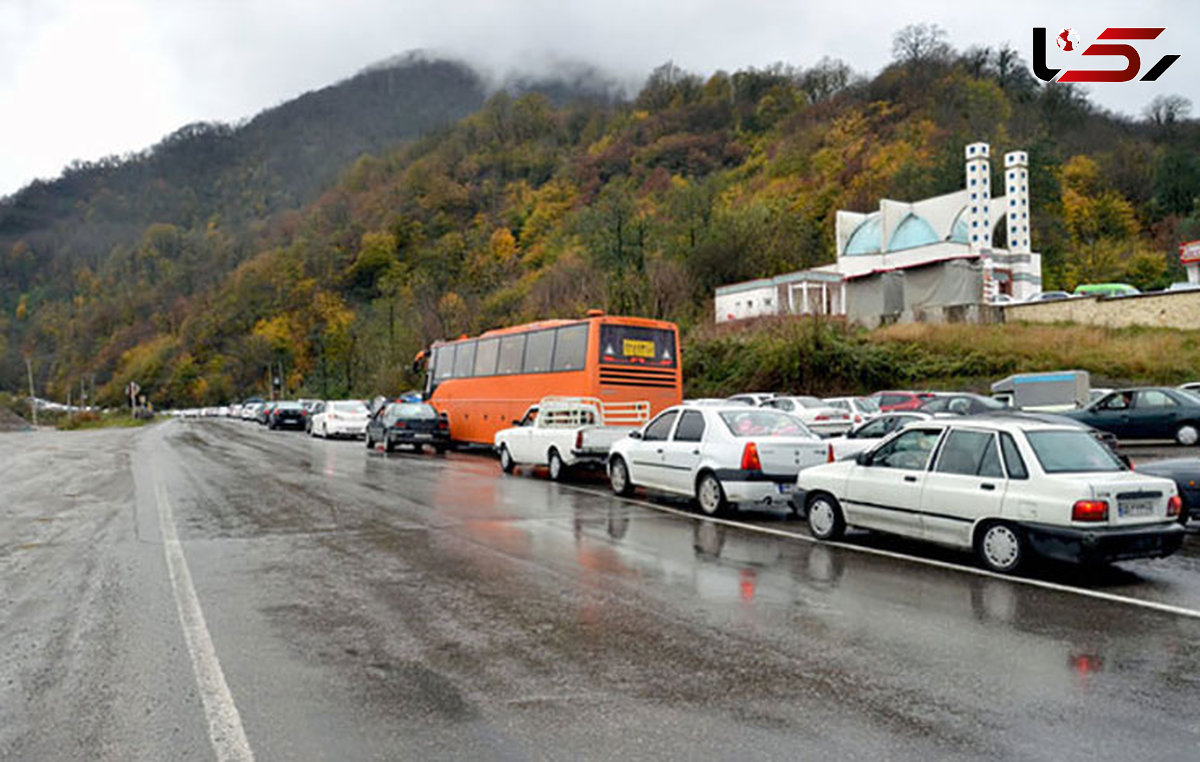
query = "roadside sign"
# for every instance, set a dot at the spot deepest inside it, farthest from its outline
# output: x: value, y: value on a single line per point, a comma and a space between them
x: 1189, y: 253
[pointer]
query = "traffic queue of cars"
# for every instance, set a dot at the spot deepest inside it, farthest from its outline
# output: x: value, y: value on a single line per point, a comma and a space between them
x: 953, y: 469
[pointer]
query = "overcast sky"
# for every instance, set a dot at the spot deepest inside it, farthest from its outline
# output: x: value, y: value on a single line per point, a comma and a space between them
x: 82, y: 79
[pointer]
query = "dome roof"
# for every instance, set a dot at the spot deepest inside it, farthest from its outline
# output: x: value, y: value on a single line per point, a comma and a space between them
x: 959, y: 232
x: 867, y: 238
x: 913, y: 231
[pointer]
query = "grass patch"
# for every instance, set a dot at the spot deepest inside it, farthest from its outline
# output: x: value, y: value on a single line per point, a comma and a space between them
x: 106, y: 420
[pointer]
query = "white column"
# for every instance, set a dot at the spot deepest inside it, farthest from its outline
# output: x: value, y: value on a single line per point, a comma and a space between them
x: 804, y: 300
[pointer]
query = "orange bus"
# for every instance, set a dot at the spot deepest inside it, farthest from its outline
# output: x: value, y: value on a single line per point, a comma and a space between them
x: 486, y: 383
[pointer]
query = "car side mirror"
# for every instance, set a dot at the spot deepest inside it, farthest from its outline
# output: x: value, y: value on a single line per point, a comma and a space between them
x: 863, y: 458
x: 635, y: 435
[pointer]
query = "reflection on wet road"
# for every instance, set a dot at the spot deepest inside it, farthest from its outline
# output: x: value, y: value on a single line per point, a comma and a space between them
x: 406, y: 606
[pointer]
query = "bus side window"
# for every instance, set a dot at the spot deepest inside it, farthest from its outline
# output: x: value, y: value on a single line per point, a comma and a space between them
x: 570, y: 350
x: 512, y: 354
x: 538, y: 351
x: 464, y: 361
x: 485, y: 357
x: 443, y: 362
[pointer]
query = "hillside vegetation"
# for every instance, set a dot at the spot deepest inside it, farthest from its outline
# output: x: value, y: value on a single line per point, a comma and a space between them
x: 528, y: 208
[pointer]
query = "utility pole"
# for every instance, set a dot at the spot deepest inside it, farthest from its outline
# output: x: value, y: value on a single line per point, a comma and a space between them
x: 32, y: 397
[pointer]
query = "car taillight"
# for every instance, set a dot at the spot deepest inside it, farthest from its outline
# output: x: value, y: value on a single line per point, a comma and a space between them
x: 578, y: 440
x: 401, y: 425
x: 1174, y: 505
x: 1089, y: 510
x: 443, y: 424
x: 750, y: 461
x: 821, y: 417
x: 829, y: 459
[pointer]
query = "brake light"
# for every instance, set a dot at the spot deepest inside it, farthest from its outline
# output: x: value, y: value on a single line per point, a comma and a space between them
x: 578, y: 440
x: 829, y: 459
x: 443, y: 423
x: 1174, y: 505
x: 750, y: 461
x: 1089, y: 510
x: 400, y: 425
x: 821, y: 417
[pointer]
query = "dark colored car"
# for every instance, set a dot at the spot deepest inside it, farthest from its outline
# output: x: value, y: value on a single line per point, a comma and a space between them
x: 288, y: 415
x: 961, y: 404
x: 1185, y: 472
x: 414, y: 424
x: 893, y: 401
x: 1152, y: 412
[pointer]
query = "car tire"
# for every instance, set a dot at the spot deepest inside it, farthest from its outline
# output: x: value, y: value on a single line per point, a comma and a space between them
x: 418, y: 448
x: 558, y: 469
x: 389, y: 445
x: 506, y: 461
x: 439, y: 449
x: 711, y: 495
x: 825, y: 518
x: 1187, y: 434
x: 1000, y: 547
x: 618, y: 477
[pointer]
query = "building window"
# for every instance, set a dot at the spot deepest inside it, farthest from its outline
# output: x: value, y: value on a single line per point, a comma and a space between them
x: 972, y: 195
x: 974, y: 223
x: 1012, y: 202
x: 974, y: 237
x: 974, y: 210
x: 985, y: 194
x: 1014, y: 228
x: 972, y: 181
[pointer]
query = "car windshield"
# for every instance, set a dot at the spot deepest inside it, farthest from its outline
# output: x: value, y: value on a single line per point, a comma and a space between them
x: 867, y: 404
x: 761, y: 422
x: 350, y: 407
x: 418, y: 411
x: 1065, y: 452
x: 810, y: 402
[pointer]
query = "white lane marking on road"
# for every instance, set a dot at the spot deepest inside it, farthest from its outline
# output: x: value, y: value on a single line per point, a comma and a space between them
x: 1165, y: 608
x: 224, y: 723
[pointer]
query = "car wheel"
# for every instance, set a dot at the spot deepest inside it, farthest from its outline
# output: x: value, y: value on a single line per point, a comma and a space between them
x: 1187, y: 435
x: 506, y: 460
x: 825, y: 519
x: 557, y: 468
x: 389, y: 445
x: 418, y: 448
x: 1000, y: 547
x: 440, y: 449
x: 618, y: 476
x: 710, y: 495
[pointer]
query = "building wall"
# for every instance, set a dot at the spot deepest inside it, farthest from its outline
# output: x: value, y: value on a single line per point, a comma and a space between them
x: 747, y: 303
x: 1180, y: 309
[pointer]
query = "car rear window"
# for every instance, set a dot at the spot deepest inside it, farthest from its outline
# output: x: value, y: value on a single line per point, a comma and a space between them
x: 412, y: 410
x: 1066, y: 452
x: 761, y: 422
x: 349, y: 407
x: 288, y: 406
x: 867, y: 405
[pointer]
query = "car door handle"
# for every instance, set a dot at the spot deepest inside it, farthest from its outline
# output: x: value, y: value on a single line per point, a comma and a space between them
x: 910, y: 478
x: 695, y: 452
x: 659, y: 451
x: 988, y: 487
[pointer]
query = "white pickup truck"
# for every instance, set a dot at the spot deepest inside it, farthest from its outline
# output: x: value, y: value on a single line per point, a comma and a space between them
x: 565, y: 432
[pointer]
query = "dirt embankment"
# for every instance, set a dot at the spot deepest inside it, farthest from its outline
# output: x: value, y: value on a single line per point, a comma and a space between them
x: 10, y: 421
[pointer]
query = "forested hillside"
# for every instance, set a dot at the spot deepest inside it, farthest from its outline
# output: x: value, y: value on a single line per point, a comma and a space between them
x: 531, y: 208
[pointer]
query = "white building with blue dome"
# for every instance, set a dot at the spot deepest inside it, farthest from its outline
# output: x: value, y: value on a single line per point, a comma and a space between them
x: 908, y: 258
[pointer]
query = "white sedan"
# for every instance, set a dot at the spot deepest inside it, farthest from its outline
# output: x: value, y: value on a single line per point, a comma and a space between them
x: 824, y: 419
x: 1005, y: 488
x: 722, y: 456
x: 338, y: 418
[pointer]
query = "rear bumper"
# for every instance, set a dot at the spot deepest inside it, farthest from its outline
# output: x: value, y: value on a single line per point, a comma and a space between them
x: 345, y: 428
x: 1103, y: 545
x: 297, y: 423
x: 756, y: 487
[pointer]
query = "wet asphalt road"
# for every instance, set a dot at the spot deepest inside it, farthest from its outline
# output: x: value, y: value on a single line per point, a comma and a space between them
x: 363, y: 606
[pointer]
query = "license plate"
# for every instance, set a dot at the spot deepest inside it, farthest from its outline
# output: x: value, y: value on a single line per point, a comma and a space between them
x: 1135, y: 508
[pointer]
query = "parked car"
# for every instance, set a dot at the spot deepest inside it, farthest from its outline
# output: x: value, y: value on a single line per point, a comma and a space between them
x: 871, y: 433
x: 287, y: 415
x: 1096, y: 392
x: 413, y: 424
x: 1106, y: 289
x: 338, y: 418
x: 823, y: 419
x: 890, y: 402
x: 568, y: 432
x: 1152, y: 412
x: 1191, y: 386
x: 1006, y: 489
x: 1185, y: 472
x: 961, y: 404
x: 250, y: 411
x: 754, y: 399
x: 1048, y: 296
x: 860, y: 408
x: 722, y: 456
x: 263, y: 414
